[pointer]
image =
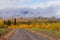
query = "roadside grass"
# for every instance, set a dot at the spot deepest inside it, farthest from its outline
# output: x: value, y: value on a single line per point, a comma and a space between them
x: 55, y: 34
x: 3, y: 31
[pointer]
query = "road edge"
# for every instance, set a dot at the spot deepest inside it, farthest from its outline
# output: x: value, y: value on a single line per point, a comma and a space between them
x: 6, y: 36
x: 43, y: 35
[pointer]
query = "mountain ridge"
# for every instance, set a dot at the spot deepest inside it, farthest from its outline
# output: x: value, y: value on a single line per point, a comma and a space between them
x: 29, y: 12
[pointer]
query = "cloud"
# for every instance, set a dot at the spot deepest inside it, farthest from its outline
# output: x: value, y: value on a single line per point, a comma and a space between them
x: 50, y: 5
x: 21, y: 3
x: 49, y: 8
x: 17, y: 0
x: 47, y: 4
x: 13, y: 3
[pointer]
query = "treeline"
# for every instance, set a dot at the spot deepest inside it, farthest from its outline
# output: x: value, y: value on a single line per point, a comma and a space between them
x: 4, y: 23
x: 9, y: 22
x: 51, y: 25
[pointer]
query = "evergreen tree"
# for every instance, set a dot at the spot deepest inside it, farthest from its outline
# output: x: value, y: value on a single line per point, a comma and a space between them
x: 8, y: 22
x: 15, y: 21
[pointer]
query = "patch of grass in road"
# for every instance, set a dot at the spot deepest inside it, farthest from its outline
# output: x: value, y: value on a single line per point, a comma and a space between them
x: 48, y: 32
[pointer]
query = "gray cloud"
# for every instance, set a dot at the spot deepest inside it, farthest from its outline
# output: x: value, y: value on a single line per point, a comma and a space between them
x: 48, y: 9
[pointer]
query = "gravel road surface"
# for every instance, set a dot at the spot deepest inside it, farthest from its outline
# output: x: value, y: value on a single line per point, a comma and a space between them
x: 22, y: 34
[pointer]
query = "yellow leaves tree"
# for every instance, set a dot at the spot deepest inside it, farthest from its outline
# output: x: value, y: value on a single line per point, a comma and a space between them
x: 1, y: 23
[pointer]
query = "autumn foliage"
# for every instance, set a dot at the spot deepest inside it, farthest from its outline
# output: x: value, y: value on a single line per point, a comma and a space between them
x: 31, y: 24
x: 50, y: 26
x: 1, y: 23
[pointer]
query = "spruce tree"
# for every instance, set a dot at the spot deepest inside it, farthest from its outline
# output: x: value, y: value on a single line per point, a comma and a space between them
x: 15, y: 21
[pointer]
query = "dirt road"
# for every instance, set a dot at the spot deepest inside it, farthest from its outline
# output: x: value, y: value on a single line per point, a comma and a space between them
x: 21, y: 34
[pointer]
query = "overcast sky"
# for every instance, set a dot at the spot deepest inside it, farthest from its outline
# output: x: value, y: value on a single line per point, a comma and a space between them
x: 28, y: 3
x: 43, y: 4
